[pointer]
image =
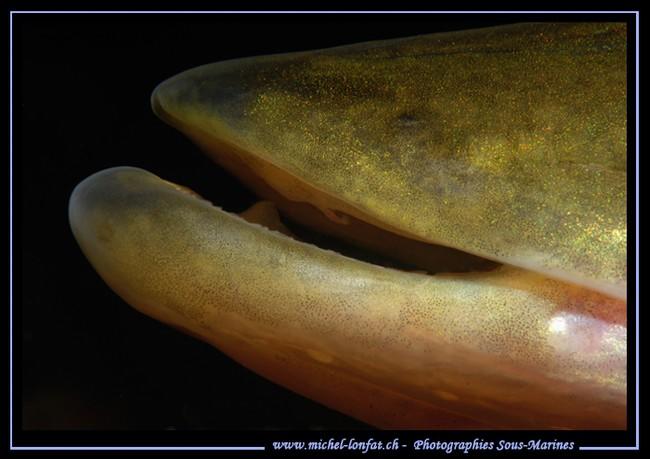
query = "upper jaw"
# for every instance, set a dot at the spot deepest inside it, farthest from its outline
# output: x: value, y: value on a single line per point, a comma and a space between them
x: 466, y: 150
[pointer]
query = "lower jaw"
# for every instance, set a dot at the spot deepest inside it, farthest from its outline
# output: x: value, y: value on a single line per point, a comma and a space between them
x: 373, y: 403
x: 402, y: 389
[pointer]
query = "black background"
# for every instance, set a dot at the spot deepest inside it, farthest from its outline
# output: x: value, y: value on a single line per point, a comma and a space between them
x: 85, y: 359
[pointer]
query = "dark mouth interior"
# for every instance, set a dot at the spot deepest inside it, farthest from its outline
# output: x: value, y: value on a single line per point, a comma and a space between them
x: 461, y: 262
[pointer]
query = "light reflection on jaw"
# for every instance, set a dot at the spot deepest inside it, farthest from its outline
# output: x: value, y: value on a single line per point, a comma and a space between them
x: 575, y: 333
x: 557, y: 325
x: 593, y: 345
x: 585, y: 335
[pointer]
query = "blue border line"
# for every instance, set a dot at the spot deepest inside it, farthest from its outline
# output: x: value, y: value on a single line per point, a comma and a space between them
x: 11, y: 229
x: 316, y: 12
x: 261, y: 448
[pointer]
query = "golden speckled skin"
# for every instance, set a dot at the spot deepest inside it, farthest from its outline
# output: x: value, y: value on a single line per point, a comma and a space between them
x: 507, y: 142
x: 507, y: 348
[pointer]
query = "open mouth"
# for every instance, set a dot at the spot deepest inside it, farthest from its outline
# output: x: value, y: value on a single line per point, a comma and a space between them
x: 416, y: 262
x: 325, y: 227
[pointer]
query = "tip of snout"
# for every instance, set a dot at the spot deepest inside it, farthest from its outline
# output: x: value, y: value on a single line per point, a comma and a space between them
x: 210, y: 97
x: 88, y: 193
x: 100, y: 187
x: 170, y: 98
x: 97, y: 197
x: 156, y: 103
